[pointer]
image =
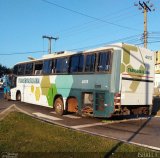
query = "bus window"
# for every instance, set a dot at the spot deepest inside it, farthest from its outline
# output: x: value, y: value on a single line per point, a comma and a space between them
x: 15, y: 69
x: 29, y: 69
x: 21, y: 69
x: 104, y: 61
x: 61, y: 65
x: 81, y: 63
x: 38, y: 68
x: 90, y: 63
x: 47, y: 67
x: 76, y: 63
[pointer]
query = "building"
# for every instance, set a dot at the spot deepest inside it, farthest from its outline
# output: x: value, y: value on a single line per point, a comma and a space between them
x: 157, y: 74
x: 157, y: 62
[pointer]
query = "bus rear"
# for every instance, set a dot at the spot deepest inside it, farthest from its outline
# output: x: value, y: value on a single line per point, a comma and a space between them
x: 136, y: 81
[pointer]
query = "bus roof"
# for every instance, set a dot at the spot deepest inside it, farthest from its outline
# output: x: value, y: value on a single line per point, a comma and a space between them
x: 115, y: 46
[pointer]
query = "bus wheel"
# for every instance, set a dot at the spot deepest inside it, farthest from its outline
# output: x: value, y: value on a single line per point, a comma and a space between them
x: 59, y: 107
x: 18, y: 97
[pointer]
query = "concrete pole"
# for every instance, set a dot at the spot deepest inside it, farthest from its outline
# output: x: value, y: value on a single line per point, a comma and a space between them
x: 145, y: 27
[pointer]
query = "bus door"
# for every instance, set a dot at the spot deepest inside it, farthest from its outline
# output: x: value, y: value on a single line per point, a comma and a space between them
x: 99, y: 104
x: 87, y: 103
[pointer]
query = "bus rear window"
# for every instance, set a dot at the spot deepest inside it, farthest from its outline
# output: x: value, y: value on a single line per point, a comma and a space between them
x: 104, y: 61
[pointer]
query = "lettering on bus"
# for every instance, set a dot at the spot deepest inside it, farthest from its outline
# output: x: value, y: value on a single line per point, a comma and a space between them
x: 29, y: 80
x: 136, y: 71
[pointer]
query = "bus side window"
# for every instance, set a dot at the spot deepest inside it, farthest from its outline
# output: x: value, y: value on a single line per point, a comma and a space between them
x: 61, y: 65
x: 81, y: 63
x: 47, y: 67
x: 21, y: 69
x: 104, y: 61
x: 15, y: 69
x: 53, y: 66
x: 90, y: 63
x: 38, y: 68
x: 29, y: 69
x: 76, y: 63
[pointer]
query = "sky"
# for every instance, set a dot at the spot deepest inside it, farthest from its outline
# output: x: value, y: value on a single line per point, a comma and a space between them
x: 79, y: 24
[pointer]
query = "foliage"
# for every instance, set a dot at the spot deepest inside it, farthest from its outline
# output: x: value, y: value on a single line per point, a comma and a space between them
x: 4, y: 70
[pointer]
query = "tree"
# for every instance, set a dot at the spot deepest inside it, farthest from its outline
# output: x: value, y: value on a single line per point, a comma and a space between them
x: 4, y: 70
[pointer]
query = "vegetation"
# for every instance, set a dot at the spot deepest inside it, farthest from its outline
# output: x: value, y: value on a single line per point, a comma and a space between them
x: 29, y: 137
x: 4, y: 70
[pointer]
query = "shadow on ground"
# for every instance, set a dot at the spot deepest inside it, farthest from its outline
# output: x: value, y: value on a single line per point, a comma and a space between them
x: 156, y: 106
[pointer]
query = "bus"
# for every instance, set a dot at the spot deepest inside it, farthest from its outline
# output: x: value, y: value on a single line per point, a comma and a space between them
x: 116, y: 79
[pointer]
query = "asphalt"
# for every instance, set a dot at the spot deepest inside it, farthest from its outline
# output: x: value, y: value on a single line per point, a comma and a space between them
x: 142, y: 131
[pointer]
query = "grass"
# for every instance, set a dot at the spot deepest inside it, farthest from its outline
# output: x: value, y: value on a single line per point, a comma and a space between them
x: 23, y: 134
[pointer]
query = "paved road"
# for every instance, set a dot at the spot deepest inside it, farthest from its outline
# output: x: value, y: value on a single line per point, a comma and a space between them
x: 144, y: 131
x: 4, y: 104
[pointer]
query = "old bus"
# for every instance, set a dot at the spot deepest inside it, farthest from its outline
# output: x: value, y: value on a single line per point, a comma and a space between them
x: 116, y: 79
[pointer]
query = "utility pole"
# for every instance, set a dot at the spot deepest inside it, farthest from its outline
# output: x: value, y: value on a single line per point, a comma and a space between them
x: 146, y: 6
x: 49, y: 42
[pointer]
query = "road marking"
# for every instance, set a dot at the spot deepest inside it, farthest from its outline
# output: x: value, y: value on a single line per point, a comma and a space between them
x: 69, y: 116
x: 46, y: 116
x: 157, y: 116
x: 88, y: 125
x: 53, y: 112
x: 72, y: 116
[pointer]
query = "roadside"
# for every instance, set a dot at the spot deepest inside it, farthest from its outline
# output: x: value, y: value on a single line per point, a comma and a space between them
x: 26, y: 136
x: 139, y: 131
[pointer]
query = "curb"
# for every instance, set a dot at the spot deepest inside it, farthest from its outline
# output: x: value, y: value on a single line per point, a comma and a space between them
x: 13, y: 107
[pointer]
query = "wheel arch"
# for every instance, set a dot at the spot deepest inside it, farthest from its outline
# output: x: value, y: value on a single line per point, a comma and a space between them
x: 73, y: 102
x: 17, y: 93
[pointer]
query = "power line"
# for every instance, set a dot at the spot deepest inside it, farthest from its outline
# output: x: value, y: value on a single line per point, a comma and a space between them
x: 7, y: 54
x: 34, y: 52
x: 145, y: 6
x: 83, y: 29
x: 109, y: 42
x: 88, y: 16
x: 148, y: 42
x: 112, y: 14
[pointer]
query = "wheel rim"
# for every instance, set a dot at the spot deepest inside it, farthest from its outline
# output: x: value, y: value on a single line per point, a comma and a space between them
x: 19, y: 97
x: 59, y: 106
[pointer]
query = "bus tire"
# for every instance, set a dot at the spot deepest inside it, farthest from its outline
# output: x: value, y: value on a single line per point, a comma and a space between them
x: 59, y: 106
x: 18, y: 96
